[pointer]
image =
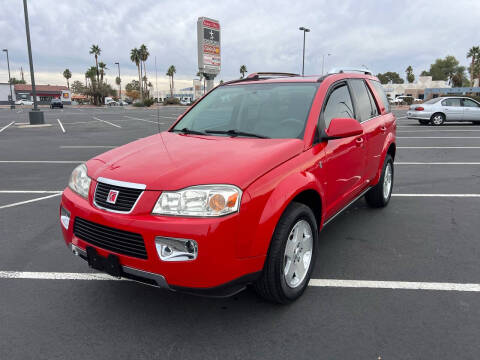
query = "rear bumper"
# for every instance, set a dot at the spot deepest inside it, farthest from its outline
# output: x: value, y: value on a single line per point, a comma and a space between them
x: 418, y: 115
x: 217, y: 270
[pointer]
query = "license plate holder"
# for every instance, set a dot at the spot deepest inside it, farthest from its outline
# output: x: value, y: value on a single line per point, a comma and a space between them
x: 110, y: 264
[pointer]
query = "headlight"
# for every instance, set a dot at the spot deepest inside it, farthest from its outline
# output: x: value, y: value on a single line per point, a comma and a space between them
x: 202, y: 200
x: 79, y: 181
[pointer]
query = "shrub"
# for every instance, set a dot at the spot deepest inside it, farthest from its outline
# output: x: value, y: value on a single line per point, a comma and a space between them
x: 148, y: 102
x: 138, y: 104
x: 171, y: 101
x: 408, y: 100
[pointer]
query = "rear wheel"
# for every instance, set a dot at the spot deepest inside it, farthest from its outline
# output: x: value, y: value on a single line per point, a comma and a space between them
x: 380, y: 194
x: 476, y: 122
x: 437, y: 119
x: 291, y: 256
x: 424, y: 122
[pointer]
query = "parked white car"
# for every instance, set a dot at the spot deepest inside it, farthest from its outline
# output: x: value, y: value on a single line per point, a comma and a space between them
x: 439, y: 110
x: 24, y: 102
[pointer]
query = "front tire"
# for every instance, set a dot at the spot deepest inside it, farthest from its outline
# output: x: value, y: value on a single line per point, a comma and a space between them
x: 291, y: 256
x: 380, y: 194
x: 437, y: 119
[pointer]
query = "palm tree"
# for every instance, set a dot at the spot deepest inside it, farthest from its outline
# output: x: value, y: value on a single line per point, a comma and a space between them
x: 135, y: 57
x: 91, y: 74
x: 410, y: 75
x: 95, y: 50
x: 102, y: 67
x: 243, y: 70
x: 170, y: 72
x: 144, y: 54
x: 473, y: 53
x: 67, y: 75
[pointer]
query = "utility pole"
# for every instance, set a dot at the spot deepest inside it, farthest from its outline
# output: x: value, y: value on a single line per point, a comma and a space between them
x: 12, y: 103
x: 305, y: 30
x: 323, y: 62
x: 120, y: 84
x: 35, y: 116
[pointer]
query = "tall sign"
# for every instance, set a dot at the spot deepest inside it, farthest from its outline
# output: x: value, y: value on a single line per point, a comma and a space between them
x: 209, y: 56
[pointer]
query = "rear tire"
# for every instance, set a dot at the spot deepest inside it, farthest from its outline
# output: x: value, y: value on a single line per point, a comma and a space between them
x: 437, y: 119
x: 380, y: 194
x: 424, y: 122
x: 291, y: 256
x: 476, y: 122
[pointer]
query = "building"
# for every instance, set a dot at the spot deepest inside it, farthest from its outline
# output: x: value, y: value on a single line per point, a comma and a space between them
x: 416, y: 89
x: 45, y: 93
x: 5, y: 93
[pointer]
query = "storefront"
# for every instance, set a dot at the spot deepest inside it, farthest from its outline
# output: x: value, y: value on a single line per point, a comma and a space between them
x: 45, y: 93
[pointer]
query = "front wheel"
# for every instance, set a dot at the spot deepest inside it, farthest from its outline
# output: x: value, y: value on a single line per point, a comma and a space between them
x: 291, y: 256
x: 380, y: 194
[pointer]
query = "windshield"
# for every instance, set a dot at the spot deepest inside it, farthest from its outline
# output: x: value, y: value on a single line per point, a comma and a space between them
x: 262, y: 110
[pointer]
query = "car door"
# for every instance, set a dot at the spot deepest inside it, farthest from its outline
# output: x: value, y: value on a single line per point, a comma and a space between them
x: 471, y: 110
x: 344, y: 159
x: 374, y: 129
x: 453, y: 109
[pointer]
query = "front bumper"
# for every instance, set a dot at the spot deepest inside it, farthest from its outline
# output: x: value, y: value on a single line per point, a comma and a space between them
x: 217, y: 266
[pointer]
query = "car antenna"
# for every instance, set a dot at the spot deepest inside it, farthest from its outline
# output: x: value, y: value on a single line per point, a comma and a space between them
x: 156, y: 86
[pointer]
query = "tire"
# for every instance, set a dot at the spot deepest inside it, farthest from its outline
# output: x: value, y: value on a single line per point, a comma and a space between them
x: 476, y: 122
x: 424, y: 122
x: 379, y: 196
x: 437, y: 119
x: 274, y: 285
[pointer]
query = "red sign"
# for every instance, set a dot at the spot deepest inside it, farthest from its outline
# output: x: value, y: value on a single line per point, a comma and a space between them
x: 211, y: 24
x: 211, y: 49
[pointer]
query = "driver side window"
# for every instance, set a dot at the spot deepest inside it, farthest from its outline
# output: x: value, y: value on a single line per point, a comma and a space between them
x: 339, y: 105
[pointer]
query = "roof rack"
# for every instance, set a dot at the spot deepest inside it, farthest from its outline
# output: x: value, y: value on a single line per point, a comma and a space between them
x: 258, y: 75
x: 349, y: 70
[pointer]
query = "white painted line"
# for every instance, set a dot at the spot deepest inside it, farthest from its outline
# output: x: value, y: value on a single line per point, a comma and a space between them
x: 438, y: 147
x: 439, y: 195
x: 437, y: 163
x: 438, y: 137
x: 138, y: 119
x: 28, y: 201
x: 433, y: 130
x: 41, y: 161
x: 401, y: 117
x: 107, y: 122
x: 163, y: 116
x: 88, y: 147
x: 30, y: 192
x: 61, y: 126
x: 368, y: 284
x: 395, y: 285
x: 13, y: 122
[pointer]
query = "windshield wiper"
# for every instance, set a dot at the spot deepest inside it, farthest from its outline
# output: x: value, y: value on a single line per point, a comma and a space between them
x: 189, y: 131
x: 236, y: 133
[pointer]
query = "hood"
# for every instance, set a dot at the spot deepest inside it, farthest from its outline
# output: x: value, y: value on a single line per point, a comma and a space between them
x: 172, y: 161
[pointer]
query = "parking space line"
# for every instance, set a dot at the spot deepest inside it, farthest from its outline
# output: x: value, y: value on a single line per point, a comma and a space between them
x: 438, y: 147
x: 163, y: 116
x: 362, y: 284
x: 108, y: 122
x: 439, y: 130
x: 41, y: 161
x: 30, y: 192
x: 401, y: 117
x: 438, y: 195
x: 13, y: 122
x: 138, y: 119
x: 29, y: 201
x: 438, y: 137
x: 61, y: 126
x: 88, y: 146
x: 437, y: 163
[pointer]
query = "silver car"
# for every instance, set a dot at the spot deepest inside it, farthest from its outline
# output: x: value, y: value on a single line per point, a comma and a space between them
x: 439, y: 110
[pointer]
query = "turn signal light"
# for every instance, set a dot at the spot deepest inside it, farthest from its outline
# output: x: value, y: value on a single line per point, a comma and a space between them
x: 419, y: 108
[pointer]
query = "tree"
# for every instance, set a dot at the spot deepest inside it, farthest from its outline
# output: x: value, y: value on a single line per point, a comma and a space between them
x: 132, y: 85
x: 390, y: 76
x: 118, y: 81
x: 67, y: 75
x: 445, y: 69
x: 144, y: 54
x: 14, y: 81
x: 424, y: 73
x: 473, y: 53
x: 102, y: 67
x: 171, y: 72
x: 95, y: 50
x: 135, y: 57
x: 243, y: 70
x: 78, y: 87
x: 410, y: 75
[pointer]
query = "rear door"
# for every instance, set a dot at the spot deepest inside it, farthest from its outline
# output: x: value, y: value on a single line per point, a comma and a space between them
x: 374, y: 129
x: 344, y: 161
x: 453, y: 109
x: 471, y: 110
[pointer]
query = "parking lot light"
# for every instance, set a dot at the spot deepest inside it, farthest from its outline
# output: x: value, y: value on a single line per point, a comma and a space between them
x: 305, y: 30
x: 12, y: 103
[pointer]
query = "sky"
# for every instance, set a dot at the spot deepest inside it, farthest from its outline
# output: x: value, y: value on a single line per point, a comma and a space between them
x: 382, y: 35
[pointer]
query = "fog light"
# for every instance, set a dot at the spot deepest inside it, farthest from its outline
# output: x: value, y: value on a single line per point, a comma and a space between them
x: 170, y: 249
x: 64, y: 217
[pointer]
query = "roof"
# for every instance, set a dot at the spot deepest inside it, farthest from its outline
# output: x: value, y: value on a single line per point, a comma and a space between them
x: 44, y: 88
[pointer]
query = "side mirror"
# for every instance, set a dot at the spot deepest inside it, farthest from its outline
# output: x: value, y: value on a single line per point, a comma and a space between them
x: 340, y: 128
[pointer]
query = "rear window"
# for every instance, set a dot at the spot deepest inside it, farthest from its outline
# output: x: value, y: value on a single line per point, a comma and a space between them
x: 433, y: 101
x: 379, y: 88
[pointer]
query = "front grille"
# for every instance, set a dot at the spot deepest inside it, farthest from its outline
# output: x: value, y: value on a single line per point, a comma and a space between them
x: 125, y: 201
x: 105, y: 237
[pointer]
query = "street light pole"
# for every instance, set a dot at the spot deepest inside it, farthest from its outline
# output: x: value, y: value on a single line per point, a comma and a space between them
x: 323, y: 62
x: 120, y: 84
x: 305, y: 30
x: 35, y: 116
x: 12, y: 103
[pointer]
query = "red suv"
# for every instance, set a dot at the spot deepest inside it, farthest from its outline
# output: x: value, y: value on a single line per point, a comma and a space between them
x: 236, y: 191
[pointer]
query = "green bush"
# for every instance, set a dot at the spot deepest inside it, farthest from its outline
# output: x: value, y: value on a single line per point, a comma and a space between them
x: 148, y: 102
x: 138, y: 104
x: 171, y: 101
x: 408, y: 100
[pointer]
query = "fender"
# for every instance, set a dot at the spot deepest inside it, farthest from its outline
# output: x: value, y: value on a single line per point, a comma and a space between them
x: 268, y: 199
x: 390, y: 139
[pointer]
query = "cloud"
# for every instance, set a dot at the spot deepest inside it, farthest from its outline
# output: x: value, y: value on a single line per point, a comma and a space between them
x: 385, y: 36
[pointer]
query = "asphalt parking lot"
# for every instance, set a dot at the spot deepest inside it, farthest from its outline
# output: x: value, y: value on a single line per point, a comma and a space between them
x: 398, y: 283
